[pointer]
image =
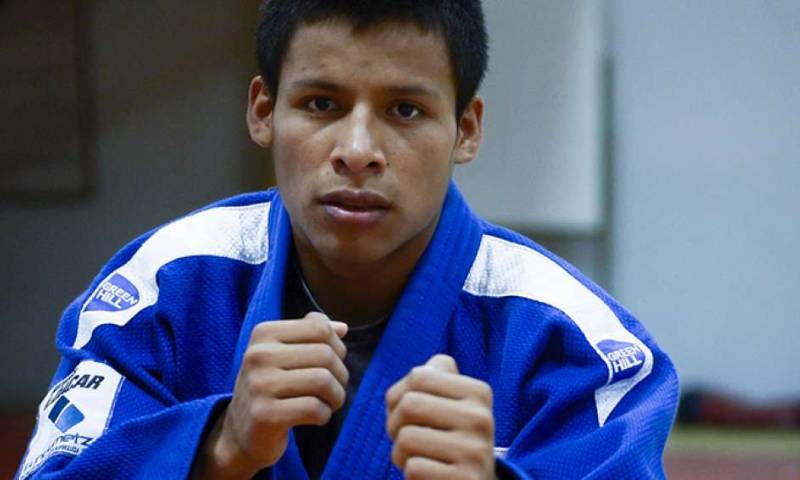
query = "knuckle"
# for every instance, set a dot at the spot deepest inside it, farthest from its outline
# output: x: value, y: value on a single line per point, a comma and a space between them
x: 481, y: 420
x: 257, y: 385
x: 404, y: 406
x: 259, y: 355
x: 319, y: 331
x: 397, y: 456
x: 260, y: 413
x: 322, y: 413
x: 393, y: 422
x: 316, y: 411
x: 327, y: 355
x: 251, y: 358
x: 315, y: 316
x: 410, y: 406
x: 415, y: 401
x: 322, y: 378
x: 485, y: 393
x: 263, y: 329
x: 339, y: 397
x: 474, y: 451
x: 417, y: 376
x: 307, y: 406
x: 406, y: 438
x: 320, y: 327
x: 415, y: 469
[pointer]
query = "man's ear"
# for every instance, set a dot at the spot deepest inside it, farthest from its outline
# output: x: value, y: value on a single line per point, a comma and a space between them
x: 260, y: 107
x: 470, y: 132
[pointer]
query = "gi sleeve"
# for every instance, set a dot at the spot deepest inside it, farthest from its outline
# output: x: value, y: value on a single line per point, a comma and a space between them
x: 111, y: 410
x: 146, y: 352
x: 597, y: 409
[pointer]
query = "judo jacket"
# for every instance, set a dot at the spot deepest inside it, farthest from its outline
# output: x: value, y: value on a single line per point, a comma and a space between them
x: 151, y: 350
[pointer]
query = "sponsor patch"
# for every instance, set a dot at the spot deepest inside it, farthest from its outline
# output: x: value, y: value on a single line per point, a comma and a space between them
x: 73, y: 414
x: 115, y: 294
x: 625, y: 359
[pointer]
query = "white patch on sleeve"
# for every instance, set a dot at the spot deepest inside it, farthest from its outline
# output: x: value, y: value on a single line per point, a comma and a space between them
x: 73, y: 414
x: 503, y: 268
x: 238, y: 233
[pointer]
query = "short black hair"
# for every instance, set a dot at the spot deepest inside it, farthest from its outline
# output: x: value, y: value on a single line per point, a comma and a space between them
x: 460, y: 22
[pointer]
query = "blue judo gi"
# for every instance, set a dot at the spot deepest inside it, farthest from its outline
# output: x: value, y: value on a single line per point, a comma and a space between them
x: 151, y: 350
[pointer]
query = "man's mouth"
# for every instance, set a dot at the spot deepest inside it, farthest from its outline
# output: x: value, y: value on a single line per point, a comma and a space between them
x: 355, y: 207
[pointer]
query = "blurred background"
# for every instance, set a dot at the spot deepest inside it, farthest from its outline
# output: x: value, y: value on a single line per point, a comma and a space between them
x: 654, y: 144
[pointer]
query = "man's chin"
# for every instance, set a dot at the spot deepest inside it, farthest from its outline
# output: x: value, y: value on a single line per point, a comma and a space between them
x: 352, y: 255
x: 344, y: 252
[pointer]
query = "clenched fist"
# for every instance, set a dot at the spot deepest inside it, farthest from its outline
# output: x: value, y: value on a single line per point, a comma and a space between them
x: 292, y: 374
x: 441, y: 423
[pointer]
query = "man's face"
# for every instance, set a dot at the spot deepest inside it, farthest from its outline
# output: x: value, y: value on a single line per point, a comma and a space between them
x: 364, y: 138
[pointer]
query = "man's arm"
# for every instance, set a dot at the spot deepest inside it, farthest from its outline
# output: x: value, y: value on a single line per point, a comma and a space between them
x: 108, y: 413
x: 292, y: 374
x: 438, y: 422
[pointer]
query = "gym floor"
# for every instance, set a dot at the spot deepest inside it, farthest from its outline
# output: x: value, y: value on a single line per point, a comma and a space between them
x: 692, y: 454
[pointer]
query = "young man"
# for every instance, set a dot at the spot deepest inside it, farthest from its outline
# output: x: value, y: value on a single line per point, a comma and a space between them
x: 359, y: 321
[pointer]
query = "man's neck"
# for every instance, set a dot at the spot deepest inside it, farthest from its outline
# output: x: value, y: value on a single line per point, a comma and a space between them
x: 362, y: 301
x: 358, y: 293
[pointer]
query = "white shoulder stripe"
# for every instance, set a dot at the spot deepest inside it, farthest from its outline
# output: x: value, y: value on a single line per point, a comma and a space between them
x: 238, y: 233
x: 503, y: 269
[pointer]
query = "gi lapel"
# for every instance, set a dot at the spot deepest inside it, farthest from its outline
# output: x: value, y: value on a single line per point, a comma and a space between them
x: 267, y: 304
x: 414, y: 333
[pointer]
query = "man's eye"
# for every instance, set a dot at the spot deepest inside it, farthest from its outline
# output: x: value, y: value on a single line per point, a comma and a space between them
x: 321, y: 104
x: 406, y: 111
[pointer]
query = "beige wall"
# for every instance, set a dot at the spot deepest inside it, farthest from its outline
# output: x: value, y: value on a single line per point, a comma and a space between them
x: 170, y: 81
x: 707, y: 168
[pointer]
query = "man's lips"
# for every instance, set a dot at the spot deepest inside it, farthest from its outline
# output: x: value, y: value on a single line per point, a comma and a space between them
x: 356, y: 200
x: 354, y: 207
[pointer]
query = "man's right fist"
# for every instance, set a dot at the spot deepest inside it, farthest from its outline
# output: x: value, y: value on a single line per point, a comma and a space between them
x: 292, y: 374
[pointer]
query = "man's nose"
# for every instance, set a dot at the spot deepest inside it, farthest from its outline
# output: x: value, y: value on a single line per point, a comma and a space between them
x: 358, y: 144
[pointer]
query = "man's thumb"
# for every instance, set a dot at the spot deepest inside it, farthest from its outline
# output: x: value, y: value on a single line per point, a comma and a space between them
x: 340, y: 328
x: 443, y: 362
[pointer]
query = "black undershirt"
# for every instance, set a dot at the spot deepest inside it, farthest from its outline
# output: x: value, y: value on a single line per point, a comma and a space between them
x: 316, y: 442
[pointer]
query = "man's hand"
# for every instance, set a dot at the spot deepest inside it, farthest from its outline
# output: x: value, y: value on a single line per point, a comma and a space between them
x: 441, y: 423
x: 292, y: 374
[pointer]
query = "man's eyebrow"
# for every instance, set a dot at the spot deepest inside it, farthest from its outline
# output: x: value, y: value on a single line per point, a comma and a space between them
x: 414, y: 90
x: 410, y: 90
x: 316, y: 83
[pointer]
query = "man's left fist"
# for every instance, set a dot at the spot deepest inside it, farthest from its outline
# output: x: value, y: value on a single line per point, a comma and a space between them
x: 441, y: 423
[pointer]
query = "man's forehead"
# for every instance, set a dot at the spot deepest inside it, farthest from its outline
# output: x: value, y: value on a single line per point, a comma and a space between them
x: 394, y: 33
x: 399, y: 27
x: 386, y: 48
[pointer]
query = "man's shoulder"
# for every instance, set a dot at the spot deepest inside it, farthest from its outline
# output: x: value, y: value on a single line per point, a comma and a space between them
x: 510, y: 266
x: 210, y: 228
x: 235, y: 228
x: 194, y: 256
x: 509, y: 263
x: 551, y: 306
